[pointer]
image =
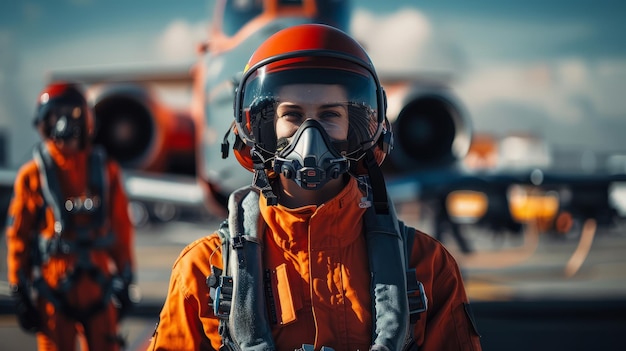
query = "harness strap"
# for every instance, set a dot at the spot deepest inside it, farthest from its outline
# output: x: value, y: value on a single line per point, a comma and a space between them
x: 246, y: 326
x: 59, y: 300
x: 84, y: 242
x: 388, y: 279
x: 50, y: 186
x: 98, y: 183
x: 49, y: 247
x: 418, y: 302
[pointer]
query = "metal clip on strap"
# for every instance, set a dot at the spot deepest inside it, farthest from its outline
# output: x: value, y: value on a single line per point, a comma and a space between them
x: 418, y: 302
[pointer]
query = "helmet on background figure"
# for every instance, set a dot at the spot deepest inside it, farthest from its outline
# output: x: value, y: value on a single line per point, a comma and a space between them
x: 310, y: 54
x: 63, y: 113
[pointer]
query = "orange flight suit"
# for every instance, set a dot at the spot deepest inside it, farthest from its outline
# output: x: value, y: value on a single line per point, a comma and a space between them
x: 58, y: 332
x: 318, y: 261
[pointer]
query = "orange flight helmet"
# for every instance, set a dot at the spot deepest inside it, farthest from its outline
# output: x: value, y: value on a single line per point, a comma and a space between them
x: 64, y: 113
x: 310, y: 54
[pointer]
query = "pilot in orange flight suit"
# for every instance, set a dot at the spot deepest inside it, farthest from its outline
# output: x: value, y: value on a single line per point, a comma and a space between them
x: 311, y: 256
x: 69, y: 237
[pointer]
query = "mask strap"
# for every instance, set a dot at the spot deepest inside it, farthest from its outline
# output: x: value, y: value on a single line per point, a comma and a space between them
x: 379, y: 189
x: 225, y: 143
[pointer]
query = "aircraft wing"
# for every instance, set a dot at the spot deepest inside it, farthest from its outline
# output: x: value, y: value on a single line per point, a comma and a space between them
x: 508, y: 198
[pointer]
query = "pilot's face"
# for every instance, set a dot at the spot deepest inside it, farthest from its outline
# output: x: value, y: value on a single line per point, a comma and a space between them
x: 325, y: 103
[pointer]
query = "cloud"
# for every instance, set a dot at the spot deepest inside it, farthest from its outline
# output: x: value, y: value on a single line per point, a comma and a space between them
x: 607, y: 88
x: 569, y: 90
x: 516, y: 68
x: 175, y: 44
x: 405, y: 41
x: 179, y: 40
x: 492, y: 39
x: 538, y: 84
x: 517, y: 80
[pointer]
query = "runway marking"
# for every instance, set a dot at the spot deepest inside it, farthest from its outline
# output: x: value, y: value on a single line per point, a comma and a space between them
x: 481, y: 290
x: 503, y: 258
x: 583, y: 248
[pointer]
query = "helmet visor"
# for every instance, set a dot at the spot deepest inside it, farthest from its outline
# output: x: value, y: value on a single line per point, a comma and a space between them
x: 343, y: 96
x: 67, y: 122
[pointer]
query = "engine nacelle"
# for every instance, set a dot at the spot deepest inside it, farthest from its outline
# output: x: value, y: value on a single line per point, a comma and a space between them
x: 140, y: 133
x: 430, y: 129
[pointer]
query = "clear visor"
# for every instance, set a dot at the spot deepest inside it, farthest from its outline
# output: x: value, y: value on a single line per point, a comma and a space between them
x: 275, y: 102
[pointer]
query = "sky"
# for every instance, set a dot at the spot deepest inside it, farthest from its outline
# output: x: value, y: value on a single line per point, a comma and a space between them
x: 555, y: 68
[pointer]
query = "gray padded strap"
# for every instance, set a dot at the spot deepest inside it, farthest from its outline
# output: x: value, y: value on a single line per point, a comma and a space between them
x: 248, y: 322
x: 387, y: 263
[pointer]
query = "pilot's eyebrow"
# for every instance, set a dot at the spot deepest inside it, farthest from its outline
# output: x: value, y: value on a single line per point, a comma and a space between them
x: 328, y: 105
x: 333, y: 105
x: 289, y: 104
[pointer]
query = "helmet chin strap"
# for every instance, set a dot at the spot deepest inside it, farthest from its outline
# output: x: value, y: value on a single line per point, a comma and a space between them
x: 261, y: 180
x: 310, y: 160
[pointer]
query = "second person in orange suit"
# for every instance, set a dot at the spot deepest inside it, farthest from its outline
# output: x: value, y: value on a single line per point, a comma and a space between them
x: 312, y: 256
x: 69, y: 237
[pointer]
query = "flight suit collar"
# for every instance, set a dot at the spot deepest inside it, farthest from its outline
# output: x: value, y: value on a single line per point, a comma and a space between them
x: 322, y: 227
x: 63, y: 161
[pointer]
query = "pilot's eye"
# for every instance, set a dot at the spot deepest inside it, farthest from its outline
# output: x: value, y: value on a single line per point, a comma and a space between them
x: 291, y: 116
x: 327, y: 114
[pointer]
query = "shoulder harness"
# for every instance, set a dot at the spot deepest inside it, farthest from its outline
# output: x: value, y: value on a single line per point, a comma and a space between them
x: 398, y: 297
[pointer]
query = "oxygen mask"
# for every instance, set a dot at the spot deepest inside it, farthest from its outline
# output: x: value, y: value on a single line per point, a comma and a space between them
x: 309, y: 157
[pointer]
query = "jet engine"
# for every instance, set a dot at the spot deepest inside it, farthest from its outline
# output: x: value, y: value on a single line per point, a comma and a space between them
x: 430, y: 128
x: 141, y: 133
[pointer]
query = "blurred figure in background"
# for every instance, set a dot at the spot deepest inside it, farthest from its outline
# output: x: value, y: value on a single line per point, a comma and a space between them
x: 69, y: 237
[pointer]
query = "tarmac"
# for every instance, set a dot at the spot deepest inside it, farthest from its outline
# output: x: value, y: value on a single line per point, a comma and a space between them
x: 522, y: 294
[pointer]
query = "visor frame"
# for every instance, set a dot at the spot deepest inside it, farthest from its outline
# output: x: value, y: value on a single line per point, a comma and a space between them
x: 240, y: 112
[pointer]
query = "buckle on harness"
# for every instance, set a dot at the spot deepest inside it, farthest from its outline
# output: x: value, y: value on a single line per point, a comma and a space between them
x: 418, y: 301
x: 223, y: 297
x: 237, y: 242
x: 55, y: 246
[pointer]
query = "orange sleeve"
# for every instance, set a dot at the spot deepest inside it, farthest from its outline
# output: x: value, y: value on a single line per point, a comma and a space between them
x: 123, y: 250
x: 448, y: 323
x: 21, y: 224
x: 186, y: 321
